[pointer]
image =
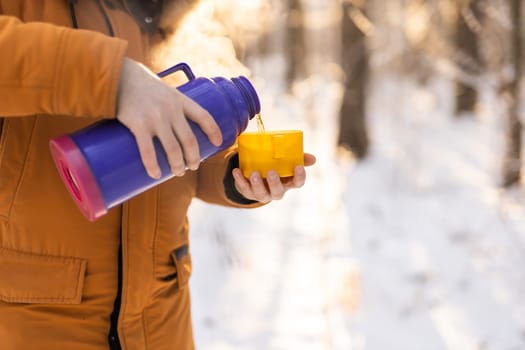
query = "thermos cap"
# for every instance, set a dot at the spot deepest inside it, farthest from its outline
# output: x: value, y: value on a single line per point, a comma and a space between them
x: 249, y: 94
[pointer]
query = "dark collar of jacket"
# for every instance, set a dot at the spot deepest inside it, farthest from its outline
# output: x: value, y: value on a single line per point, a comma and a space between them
x: 146, y: 13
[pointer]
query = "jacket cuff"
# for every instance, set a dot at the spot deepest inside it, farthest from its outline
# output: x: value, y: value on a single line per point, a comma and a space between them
x: 216, y: 184
x: 229, y: 184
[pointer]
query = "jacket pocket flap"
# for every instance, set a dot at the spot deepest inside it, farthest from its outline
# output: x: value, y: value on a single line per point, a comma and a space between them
x: 182, y: 261
x: 40, y: 279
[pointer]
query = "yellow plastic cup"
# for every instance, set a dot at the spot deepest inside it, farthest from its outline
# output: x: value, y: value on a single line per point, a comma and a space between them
x: 280, y: 150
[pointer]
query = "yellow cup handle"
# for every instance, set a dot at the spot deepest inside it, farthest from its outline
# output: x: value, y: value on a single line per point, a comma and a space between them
x: 278, y: 146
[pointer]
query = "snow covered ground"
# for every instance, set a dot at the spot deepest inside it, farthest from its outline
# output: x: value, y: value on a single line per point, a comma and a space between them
x: 416, y: 247
x: 440, y: 247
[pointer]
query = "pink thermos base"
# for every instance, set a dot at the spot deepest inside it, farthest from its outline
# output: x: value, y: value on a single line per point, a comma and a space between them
x: 77, y: 177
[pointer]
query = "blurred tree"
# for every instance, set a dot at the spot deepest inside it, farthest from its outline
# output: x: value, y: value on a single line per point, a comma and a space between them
x: 295, y: 47
x: 467, y: 36
x: 511, y: 93
x: 352, y: 126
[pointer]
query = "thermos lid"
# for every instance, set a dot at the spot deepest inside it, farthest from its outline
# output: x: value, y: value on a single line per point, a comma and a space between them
x: 78, y: 178
x: 249, y: 94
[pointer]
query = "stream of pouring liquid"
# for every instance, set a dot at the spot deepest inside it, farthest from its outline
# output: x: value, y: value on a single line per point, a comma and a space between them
x: 260, y: 124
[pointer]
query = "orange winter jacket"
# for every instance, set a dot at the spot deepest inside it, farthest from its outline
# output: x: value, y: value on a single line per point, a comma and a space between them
x: 67, y: 283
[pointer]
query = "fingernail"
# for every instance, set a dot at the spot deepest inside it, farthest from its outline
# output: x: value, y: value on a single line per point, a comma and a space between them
x: 300, y: 170
x: 156, y: 174
x: 217, y: 140
x: 272, y: 175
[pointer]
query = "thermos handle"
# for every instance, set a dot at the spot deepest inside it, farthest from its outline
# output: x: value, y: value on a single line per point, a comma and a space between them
x: 179, y: 66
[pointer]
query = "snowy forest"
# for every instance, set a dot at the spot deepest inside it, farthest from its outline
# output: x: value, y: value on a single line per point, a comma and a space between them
x: 410, y: 231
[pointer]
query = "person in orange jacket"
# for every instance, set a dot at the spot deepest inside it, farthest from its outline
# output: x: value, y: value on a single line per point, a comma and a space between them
x: 119, y: 282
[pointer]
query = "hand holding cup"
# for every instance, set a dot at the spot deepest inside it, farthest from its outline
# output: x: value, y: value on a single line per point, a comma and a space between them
x: 270, y: 164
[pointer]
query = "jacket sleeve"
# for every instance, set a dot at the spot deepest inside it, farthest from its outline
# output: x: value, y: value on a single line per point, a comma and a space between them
x: 215, y: 181
x: 48, y: 69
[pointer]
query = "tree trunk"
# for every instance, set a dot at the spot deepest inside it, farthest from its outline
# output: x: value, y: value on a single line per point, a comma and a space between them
x: 467, y: 41
x: 295, y: 48
x: 352, y: 128
x: 512, y: 157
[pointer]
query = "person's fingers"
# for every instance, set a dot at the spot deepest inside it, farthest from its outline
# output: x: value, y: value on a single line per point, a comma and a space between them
x: 148, y: 155
x: 274, y: 188
x: 275, y: 185
x: 173, y: 151
x: 299, y: 177
x: 187, y: 140
x: 203, y: 118
x: 242, y: 185
x: 309, y: 159
x: 259, y: 189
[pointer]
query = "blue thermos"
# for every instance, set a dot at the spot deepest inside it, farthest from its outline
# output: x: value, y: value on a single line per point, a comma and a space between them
x: 101, y: 165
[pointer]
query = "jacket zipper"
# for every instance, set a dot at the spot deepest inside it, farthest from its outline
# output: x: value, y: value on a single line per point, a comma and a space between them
x: 113, y: 338
x: 74, y: 20
x: 1, y: 135
x: 73, y: 13
x: 106, y: 18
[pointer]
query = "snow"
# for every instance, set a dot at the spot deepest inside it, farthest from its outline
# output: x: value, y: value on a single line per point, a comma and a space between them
x: 415, y: 247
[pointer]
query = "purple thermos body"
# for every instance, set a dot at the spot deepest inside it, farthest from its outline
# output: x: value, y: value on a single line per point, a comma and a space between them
x: 101, y: 166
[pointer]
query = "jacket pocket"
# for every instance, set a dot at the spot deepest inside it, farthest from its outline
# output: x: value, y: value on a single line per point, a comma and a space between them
x: 182, y: 261
x: 40, y: 279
